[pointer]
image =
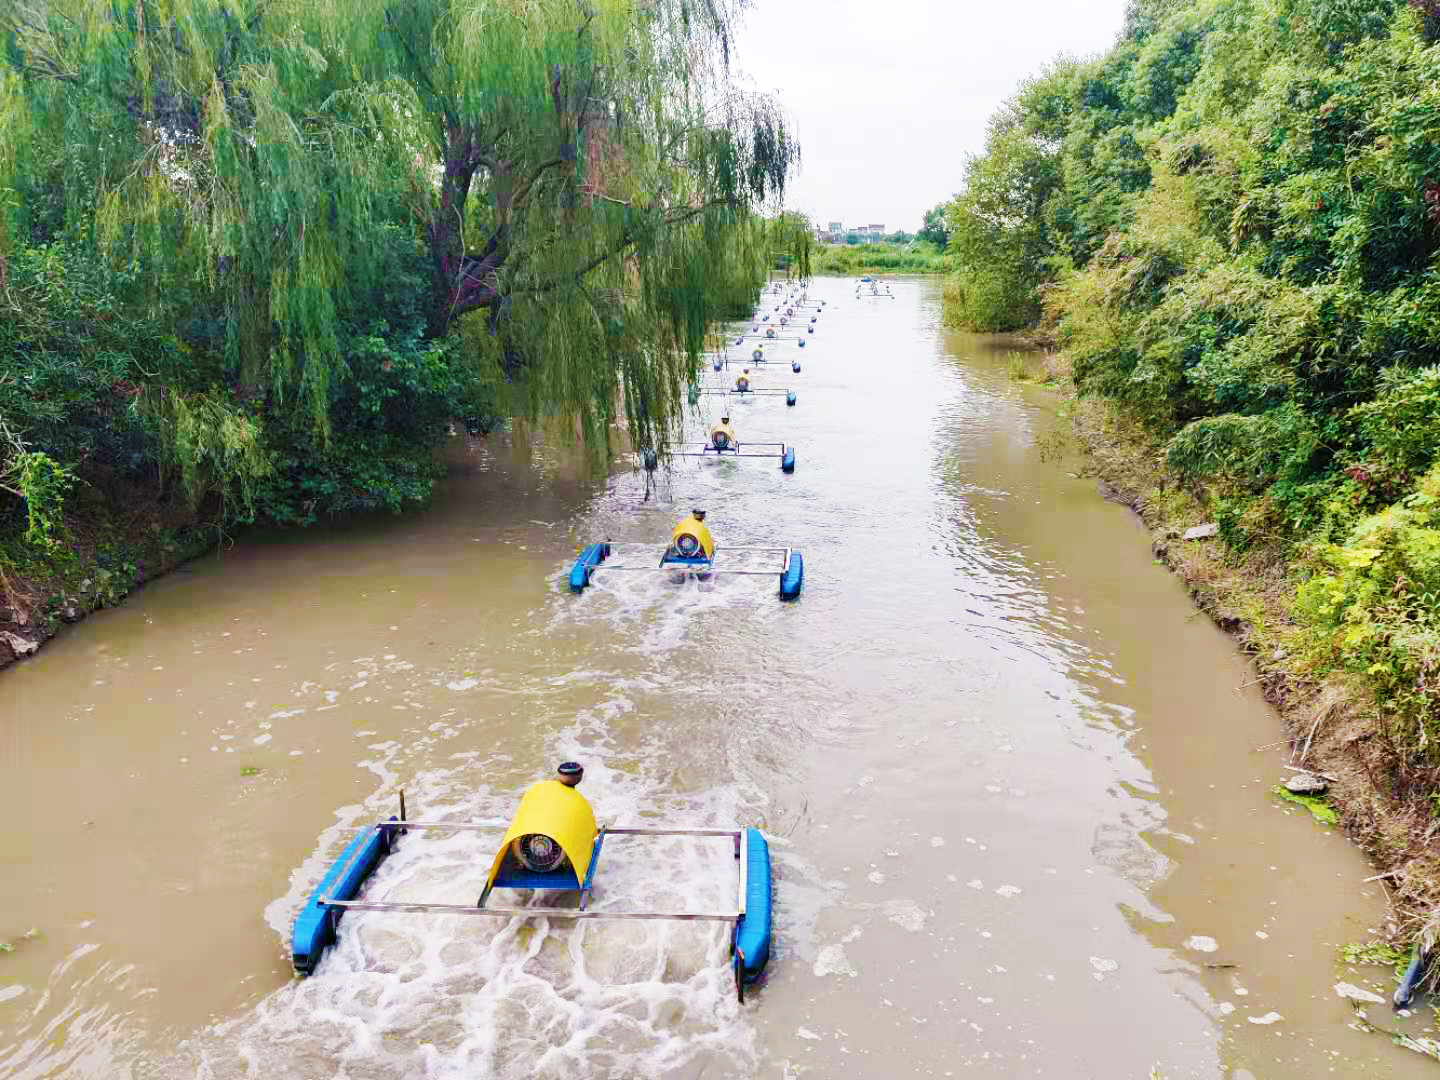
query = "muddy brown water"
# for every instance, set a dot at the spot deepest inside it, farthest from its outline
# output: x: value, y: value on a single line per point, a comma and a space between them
x: 1018, y: 822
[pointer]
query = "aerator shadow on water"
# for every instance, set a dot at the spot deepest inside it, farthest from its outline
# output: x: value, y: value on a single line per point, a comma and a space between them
x: 552, y: 845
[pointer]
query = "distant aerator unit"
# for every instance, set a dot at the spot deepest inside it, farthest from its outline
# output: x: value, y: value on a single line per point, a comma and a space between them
x: 724, y: 442
x: 692, y: 552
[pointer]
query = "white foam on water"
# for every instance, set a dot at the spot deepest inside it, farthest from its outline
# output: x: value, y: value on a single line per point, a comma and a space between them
x: 833, y: 961
x: 1358, y: 993
x: 667, y: 604
x: 906, y: 914
x: 446, y: 997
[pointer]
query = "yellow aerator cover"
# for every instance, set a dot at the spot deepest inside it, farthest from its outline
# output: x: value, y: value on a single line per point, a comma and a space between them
x: 560, y: 812
x: 697, y: 529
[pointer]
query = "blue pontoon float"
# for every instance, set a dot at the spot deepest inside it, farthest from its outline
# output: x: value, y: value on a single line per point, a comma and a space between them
x: 552, y: 845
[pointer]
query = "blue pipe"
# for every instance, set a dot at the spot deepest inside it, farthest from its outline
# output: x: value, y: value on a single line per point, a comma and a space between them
x: 1405, y: 992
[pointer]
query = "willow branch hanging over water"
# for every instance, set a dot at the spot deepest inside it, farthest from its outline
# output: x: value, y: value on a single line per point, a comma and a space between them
x: 583, y: 190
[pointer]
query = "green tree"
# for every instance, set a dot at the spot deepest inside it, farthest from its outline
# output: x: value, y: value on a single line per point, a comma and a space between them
x: 932, y: 228
x: 573, y: 192
x: 998, y: 230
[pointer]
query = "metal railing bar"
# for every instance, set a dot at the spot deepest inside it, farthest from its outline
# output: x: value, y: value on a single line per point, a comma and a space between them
x: 527, y: 912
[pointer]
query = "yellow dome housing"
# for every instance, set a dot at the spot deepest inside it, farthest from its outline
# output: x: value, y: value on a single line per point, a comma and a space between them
x: 722, y: 435
x: 691, y: 539
x: 554, y: 812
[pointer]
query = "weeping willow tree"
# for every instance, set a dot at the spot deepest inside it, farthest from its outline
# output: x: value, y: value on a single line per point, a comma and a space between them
x: 585, y: 184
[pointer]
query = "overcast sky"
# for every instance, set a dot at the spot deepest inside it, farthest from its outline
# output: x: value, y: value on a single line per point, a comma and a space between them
x: 890, y: 95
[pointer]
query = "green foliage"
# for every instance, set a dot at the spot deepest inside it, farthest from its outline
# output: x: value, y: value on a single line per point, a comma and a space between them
x: 213, y: 445
x: 933, y: 230
x: 1401, y: 422
x: 43, y: 483
x: 997, y: 227
x: 1372, y: 607
x: 1319, y: 808
x: 915, y: 257
x: 33, y: 934
x: 989, y: 301
x: 1378, y: 953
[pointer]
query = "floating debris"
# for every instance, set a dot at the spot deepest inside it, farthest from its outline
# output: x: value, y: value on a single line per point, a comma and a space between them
x: 1103, y: 967
x: 1306, y: 784
x: 1357, y: 993
x: 1322, y: 810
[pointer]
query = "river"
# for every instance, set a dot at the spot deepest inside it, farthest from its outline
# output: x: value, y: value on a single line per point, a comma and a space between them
x: 1019, y: 822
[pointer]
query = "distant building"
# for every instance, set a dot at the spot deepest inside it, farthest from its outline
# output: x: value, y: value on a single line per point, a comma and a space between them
x: 837, y: 227
x: 877, y: 230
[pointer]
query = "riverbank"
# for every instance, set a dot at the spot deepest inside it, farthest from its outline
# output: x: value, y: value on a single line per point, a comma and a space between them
x: 114, y: 542
x: 1384, y: 800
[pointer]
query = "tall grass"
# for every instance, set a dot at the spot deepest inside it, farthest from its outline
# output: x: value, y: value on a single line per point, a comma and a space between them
x: 917, y: 257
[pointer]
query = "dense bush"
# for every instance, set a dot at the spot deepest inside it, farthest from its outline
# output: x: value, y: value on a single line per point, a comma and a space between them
x: 916, y: 257
x: 1373, y: 608
x: 1232, y: 222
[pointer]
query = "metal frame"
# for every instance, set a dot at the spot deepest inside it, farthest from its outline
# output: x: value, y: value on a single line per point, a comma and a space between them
x: 739, y: 836
x: 706, y: 568
x: 742, y: 393
x: 733, y: 451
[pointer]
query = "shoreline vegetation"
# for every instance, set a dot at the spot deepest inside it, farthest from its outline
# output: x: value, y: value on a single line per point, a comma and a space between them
x: 111, y: 549
x: 848, y: 260
x: 1227, y: 227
